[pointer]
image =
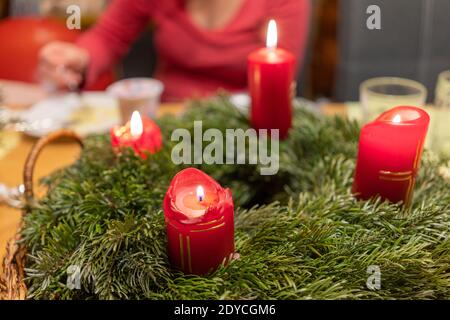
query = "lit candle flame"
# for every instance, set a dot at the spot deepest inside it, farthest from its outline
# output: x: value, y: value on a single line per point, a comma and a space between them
x: 136, y: 126
x: 272, y: 35
x: 200, y: 193
x: 397, y: 119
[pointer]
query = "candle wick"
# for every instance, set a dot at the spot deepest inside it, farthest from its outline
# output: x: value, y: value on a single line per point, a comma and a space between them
x: 200, y: 193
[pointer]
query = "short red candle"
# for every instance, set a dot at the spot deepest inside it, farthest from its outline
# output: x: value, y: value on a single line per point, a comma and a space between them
x: 140, y: 134
x: 389, y: 155
x: 270, y: 78
x: 199, y: 217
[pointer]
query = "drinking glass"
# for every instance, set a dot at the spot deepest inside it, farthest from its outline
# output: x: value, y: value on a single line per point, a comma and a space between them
x: 137, y: 94
x: 380, y: 94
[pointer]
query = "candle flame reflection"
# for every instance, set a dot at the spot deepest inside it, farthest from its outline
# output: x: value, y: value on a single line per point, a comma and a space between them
x: 200, y: 193
x: 397, y: 119
x: 136, y: 126
x: 272, y: 36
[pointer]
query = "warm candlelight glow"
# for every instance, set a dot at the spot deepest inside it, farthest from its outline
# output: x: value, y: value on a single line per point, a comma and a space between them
x: 397, y: 119
x: 199, y: 216
x: 272, y: 37
x: 200, y: 193
x: 140, y: 133
x: 136, y: 126
x: 271, y: 73
x: 389, y: 155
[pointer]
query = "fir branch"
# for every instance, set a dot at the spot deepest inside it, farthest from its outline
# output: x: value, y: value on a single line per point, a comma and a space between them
x: 300, y: 234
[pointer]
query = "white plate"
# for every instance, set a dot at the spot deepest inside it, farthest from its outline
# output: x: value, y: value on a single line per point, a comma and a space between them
x: 88, y: 113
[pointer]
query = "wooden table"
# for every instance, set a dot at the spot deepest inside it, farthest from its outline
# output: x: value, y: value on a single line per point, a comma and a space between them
x: 55, y: 156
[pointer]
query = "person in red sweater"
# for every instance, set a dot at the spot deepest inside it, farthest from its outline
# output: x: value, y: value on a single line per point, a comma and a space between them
x: 201, y: 45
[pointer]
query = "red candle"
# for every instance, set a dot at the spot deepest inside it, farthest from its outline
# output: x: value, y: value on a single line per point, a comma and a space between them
x: 199, y: 216
x: 389, y: 155
x: 140, y: 134
x: 270, y: 77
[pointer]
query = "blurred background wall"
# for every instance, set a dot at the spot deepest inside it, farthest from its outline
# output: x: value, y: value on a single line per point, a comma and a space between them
x: 414, y: 43
x: 342, y: 52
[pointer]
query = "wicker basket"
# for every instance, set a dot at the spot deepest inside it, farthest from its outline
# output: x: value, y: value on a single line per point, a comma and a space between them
x: 12, y: 285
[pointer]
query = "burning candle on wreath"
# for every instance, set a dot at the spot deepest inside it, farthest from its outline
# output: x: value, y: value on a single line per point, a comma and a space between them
x: 140, y: 133
x: 199, y: 217
x: 270, y: 78
x: 389, y: 154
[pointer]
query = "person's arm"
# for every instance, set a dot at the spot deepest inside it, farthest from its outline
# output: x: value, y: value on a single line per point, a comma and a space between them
x: 292, y: 17
x: 111, y: 37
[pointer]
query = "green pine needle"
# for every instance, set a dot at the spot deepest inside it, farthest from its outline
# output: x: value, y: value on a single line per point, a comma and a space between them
x: 300, y: 234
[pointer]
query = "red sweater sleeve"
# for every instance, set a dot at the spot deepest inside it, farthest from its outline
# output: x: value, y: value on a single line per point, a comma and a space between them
x: 292, y: 17
x: 111, y: 37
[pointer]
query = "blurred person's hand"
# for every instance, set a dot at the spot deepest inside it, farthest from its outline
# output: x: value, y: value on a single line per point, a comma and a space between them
x: 62, y: 66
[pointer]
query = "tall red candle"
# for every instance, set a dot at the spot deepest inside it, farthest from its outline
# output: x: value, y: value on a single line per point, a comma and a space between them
x: 199, y: 216
x: 389, y: 155
x: 270, y: 77
x: 140, y: 134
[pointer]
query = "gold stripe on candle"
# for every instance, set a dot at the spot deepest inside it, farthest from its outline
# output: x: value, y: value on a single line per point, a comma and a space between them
x: 395, y: 178
x: 405, y: 176
x: 390, y: 173
x: 417, y: 158
x: 180, y: 236
x: 400, y: 176
x: 188, y: 245
x: 413, y: 180
x: 209, y: 229
x: 409, y: 192
x: 211, y: 222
